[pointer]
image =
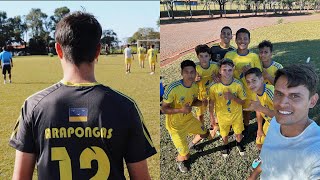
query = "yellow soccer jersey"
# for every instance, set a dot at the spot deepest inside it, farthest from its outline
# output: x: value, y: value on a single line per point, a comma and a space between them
x: 241, y: 61
x: 206, y: 78
x: 178, y: 96
x: 152, y: 54
x: 227, y: 110
x: 266, y: 99
x: 272, y: 70
x: 141, y: 51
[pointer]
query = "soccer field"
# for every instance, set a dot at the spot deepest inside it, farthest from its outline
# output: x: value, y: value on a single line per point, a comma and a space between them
x: 292, y: 43
x: 33, y: 73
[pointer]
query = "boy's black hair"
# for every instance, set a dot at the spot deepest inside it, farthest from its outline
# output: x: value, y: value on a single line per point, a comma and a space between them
x: 299, y: 74
x: 242, y: 30
x: 255, y: 71
x: 226, y: 61
x: 202, y: 48
x: 186, y: 63
x: 226, y: 27
x: 266, y: 43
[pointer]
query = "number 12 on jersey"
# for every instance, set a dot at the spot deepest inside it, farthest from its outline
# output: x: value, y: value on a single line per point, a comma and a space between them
x: 87, y: 155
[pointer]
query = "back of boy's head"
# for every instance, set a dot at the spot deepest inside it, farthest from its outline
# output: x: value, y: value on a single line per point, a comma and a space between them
x: 79, y: 35
x: 202, y: 48
x: 186, y: 63
x: 299, y: 74
x: 152, y: 46
x: 242, y: 30
x: 255, y: 71
x: 226, y: 61
x: 226, y: 27
x: 265, y: 43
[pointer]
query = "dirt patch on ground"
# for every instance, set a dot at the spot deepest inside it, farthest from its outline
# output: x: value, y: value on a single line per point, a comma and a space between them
x: 180, y: 38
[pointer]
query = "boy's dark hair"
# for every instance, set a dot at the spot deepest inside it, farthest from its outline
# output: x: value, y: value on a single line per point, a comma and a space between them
x: 226, y: 27
x: 242, y: 30
x: 299, y: 74
x: 186, y: 63
x: 265, y: 43
x: 255, y: 71
x: 152, y: 46
x: 202, y: 48
x: 128, y: 45
x: 79, y: 35
x: 226, y: 61
x: 5, y: 48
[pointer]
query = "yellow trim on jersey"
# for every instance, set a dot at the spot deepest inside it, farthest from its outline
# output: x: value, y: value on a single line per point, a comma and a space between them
x: 141, y: 118
x: 78, y: 119
x: 79, y: 84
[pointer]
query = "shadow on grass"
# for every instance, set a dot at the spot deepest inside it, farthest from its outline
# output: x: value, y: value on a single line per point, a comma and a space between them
x: 49, y: 83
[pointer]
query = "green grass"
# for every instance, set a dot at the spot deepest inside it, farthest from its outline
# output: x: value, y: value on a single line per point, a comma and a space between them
x: 293, y: 43
x: 33, y: 73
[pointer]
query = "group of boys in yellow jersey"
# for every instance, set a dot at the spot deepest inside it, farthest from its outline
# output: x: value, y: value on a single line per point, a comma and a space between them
x: 151, y: 55
x: 241, y: 82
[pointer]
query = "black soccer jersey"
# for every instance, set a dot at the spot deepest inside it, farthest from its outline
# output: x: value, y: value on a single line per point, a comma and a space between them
x: 82, y: 132
x: 218, y: 53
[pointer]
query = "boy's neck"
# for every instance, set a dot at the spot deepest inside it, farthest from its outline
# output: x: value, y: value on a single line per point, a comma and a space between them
x: 226, y: 81
x: 205, y: 67
x: 224, y: 45
x: 266, y: 64
x: 242, y: 51
x: 261, y: 90
x: 187, y: 83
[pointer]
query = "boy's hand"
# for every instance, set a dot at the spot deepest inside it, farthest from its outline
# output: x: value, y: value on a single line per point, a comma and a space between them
x: 254, y: 106
x: 246, y: 68
x: 186, y: 109
x: 260, y: 133
x: 228, y: 95
x: 215, y: 78
x: 265, y: 74
x: 198, y: 78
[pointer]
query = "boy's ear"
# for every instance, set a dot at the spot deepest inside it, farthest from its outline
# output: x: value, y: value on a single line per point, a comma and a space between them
x: 313, y: 100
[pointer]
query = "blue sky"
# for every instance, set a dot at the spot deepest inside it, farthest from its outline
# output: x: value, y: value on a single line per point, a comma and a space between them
x: 124, y: 17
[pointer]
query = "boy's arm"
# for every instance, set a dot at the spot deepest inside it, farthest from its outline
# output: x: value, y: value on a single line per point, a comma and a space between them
x: 138, y: 170
x: 255, y: 173
x: 256, y: 106
x: 228, y: 95
x: 11, y: 63
x: 167, y: 109
x: 197, y: 102
x: 23, y: 166
x: 267, y: 76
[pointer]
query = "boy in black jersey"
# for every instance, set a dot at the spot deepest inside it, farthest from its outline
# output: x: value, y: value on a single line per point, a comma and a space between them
x: 78, y: 128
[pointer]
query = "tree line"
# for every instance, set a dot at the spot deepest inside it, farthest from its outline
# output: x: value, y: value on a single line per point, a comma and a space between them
x: 41, y: 27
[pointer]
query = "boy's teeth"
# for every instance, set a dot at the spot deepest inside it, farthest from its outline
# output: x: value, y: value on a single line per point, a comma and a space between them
x: 285, y: 112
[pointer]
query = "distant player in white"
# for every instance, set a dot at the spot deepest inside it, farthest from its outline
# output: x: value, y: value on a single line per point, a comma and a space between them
x: 128, y: 57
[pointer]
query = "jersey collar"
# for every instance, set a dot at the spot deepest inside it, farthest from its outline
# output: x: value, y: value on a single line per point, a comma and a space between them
x: 79, y: 84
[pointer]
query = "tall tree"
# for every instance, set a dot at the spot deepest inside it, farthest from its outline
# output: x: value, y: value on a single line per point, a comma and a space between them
x: 109, y: 37
x: 35, y: 21
x: 143, y: 34
x: 59, y: 13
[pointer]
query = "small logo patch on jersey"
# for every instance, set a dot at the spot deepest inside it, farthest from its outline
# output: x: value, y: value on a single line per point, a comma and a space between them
x: 78, y: 114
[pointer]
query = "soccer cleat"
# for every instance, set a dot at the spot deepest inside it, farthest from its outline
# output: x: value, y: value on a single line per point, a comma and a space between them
x: 4, y: 82
x: 240, y: 148
x: 10, y: 81
x: 182, y: 166
x: 151, y: 73
x: 225, y: 151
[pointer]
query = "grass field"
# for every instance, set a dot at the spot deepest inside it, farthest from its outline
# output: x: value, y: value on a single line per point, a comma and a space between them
x: 33, y: 73
x: 293, y: 43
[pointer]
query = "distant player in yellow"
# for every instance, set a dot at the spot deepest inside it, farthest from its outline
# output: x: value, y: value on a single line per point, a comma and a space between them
x: 128, y: 57
x: 152, y: 57
x: 269, y: 67
x: 206, y: 73
x: 226, y: 100
x: 264, y: 103
x: 141, y: 55
x: 178, y: 99
x: 243, y: 60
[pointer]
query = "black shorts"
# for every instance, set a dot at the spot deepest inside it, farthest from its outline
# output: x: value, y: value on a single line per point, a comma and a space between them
x: 6, y: 68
